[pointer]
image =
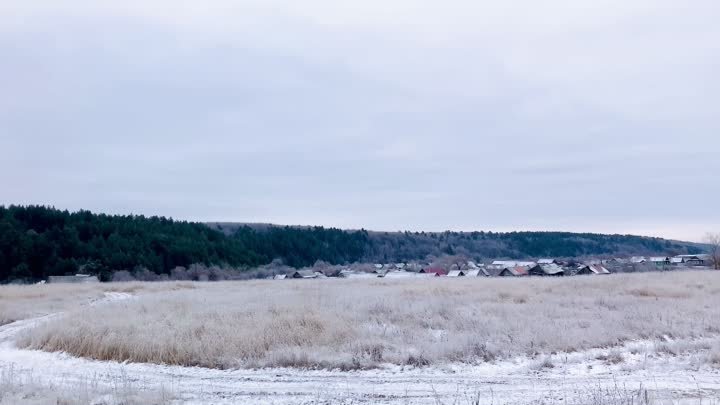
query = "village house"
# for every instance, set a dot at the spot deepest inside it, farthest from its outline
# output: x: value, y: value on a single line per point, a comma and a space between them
x: 303, y: 274
x: 547, y: 261
x: 518, y: 271
x: 76, y: 279
x: 469, y: 273
x: 349, y: 274
x: 591, y: 269
x: 614, y: 261
x: 660, y: 261
x: 512, y: 263
x: 676, y: 261
x: 380, y: 272
x: 436, y: 271
x: 547, y: 270
x: 692, y: 260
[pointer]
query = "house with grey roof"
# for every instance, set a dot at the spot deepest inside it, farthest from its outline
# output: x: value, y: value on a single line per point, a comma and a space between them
x: 591, y: 269
x: 515, y: 271
x: 478, y: 272
x: 694, y: 260
x: 660, y: 261
x: 303, y: 274
x: 547, y: 261
x: 547, y: 270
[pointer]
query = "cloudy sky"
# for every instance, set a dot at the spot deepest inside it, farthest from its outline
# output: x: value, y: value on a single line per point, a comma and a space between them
x: 599, y: 115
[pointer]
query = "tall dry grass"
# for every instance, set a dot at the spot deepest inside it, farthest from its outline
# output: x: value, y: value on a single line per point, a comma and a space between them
x: 25, y: 301
x: 19, y: 302
x: 362, y: 323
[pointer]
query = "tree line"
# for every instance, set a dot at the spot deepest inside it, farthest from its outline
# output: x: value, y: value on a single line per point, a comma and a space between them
x: 37, y: 242
x: 404, y: 246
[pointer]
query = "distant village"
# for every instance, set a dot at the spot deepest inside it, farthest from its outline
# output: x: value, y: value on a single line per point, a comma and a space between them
x: 457, y: 266
x: 546, y: 267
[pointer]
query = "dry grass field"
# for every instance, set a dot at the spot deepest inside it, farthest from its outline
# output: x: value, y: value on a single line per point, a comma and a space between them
x: 352, y: 324
x: 19, y: 302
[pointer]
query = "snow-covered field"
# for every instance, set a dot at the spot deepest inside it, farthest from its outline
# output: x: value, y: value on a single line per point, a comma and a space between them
x: 658, y: 371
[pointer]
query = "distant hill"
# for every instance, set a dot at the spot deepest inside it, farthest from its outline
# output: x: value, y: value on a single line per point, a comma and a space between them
x: 37, y: 242
x: 407, y: 246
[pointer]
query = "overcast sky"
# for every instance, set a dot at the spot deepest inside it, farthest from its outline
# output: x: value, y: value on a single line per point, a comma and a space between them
x: 599, y: 116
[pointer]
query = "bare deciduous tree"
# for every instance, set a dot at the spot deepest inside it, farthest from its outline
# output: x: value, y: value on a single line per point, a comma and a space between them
x: 713, y: 239
x: 451, y: 262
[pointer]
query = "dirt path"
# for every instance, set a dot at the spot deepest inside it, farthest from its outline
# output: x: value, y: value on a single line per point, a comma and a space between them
x: 573, y: 378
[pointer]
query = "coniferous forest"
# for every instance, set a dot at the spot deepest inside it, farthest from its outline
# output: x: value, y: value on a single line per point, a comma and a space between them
x: 37, y: 241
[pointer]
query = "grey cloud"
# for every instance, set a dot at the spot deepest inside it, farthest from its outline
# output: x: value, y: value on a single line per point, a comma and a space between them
x: 602, y: 119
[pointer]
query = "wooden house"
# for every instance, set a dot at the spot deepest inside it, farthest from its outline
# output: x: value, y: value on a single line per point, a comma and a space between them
x: 591, y: 269
x: 547, y: 270
x: 436, y: 271
x: 517, y: 271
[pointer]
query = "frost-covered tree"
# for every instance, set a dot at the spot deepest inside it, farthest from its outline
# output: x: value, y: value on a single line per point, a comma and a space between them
x: 713, y: 239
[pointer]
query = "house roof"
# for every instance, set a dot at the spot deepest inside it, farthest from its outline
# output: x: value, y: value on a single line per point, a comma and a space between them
x: 456, y: 273
x: 694, y: 257
x: 356, y: 274
x: 658, y: 259
x: 401, y: 274
x: 512, y: 263
x: 546, y: 261
x: 434, y: 270
x: 551, y: 269
x: 518, y: 270
x: 598, y: 269
x: 477, y: 273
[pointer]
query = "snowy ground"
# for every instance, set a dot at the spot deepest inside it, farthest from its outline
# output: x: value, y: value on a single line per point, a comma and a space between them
x: 575, y: 378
